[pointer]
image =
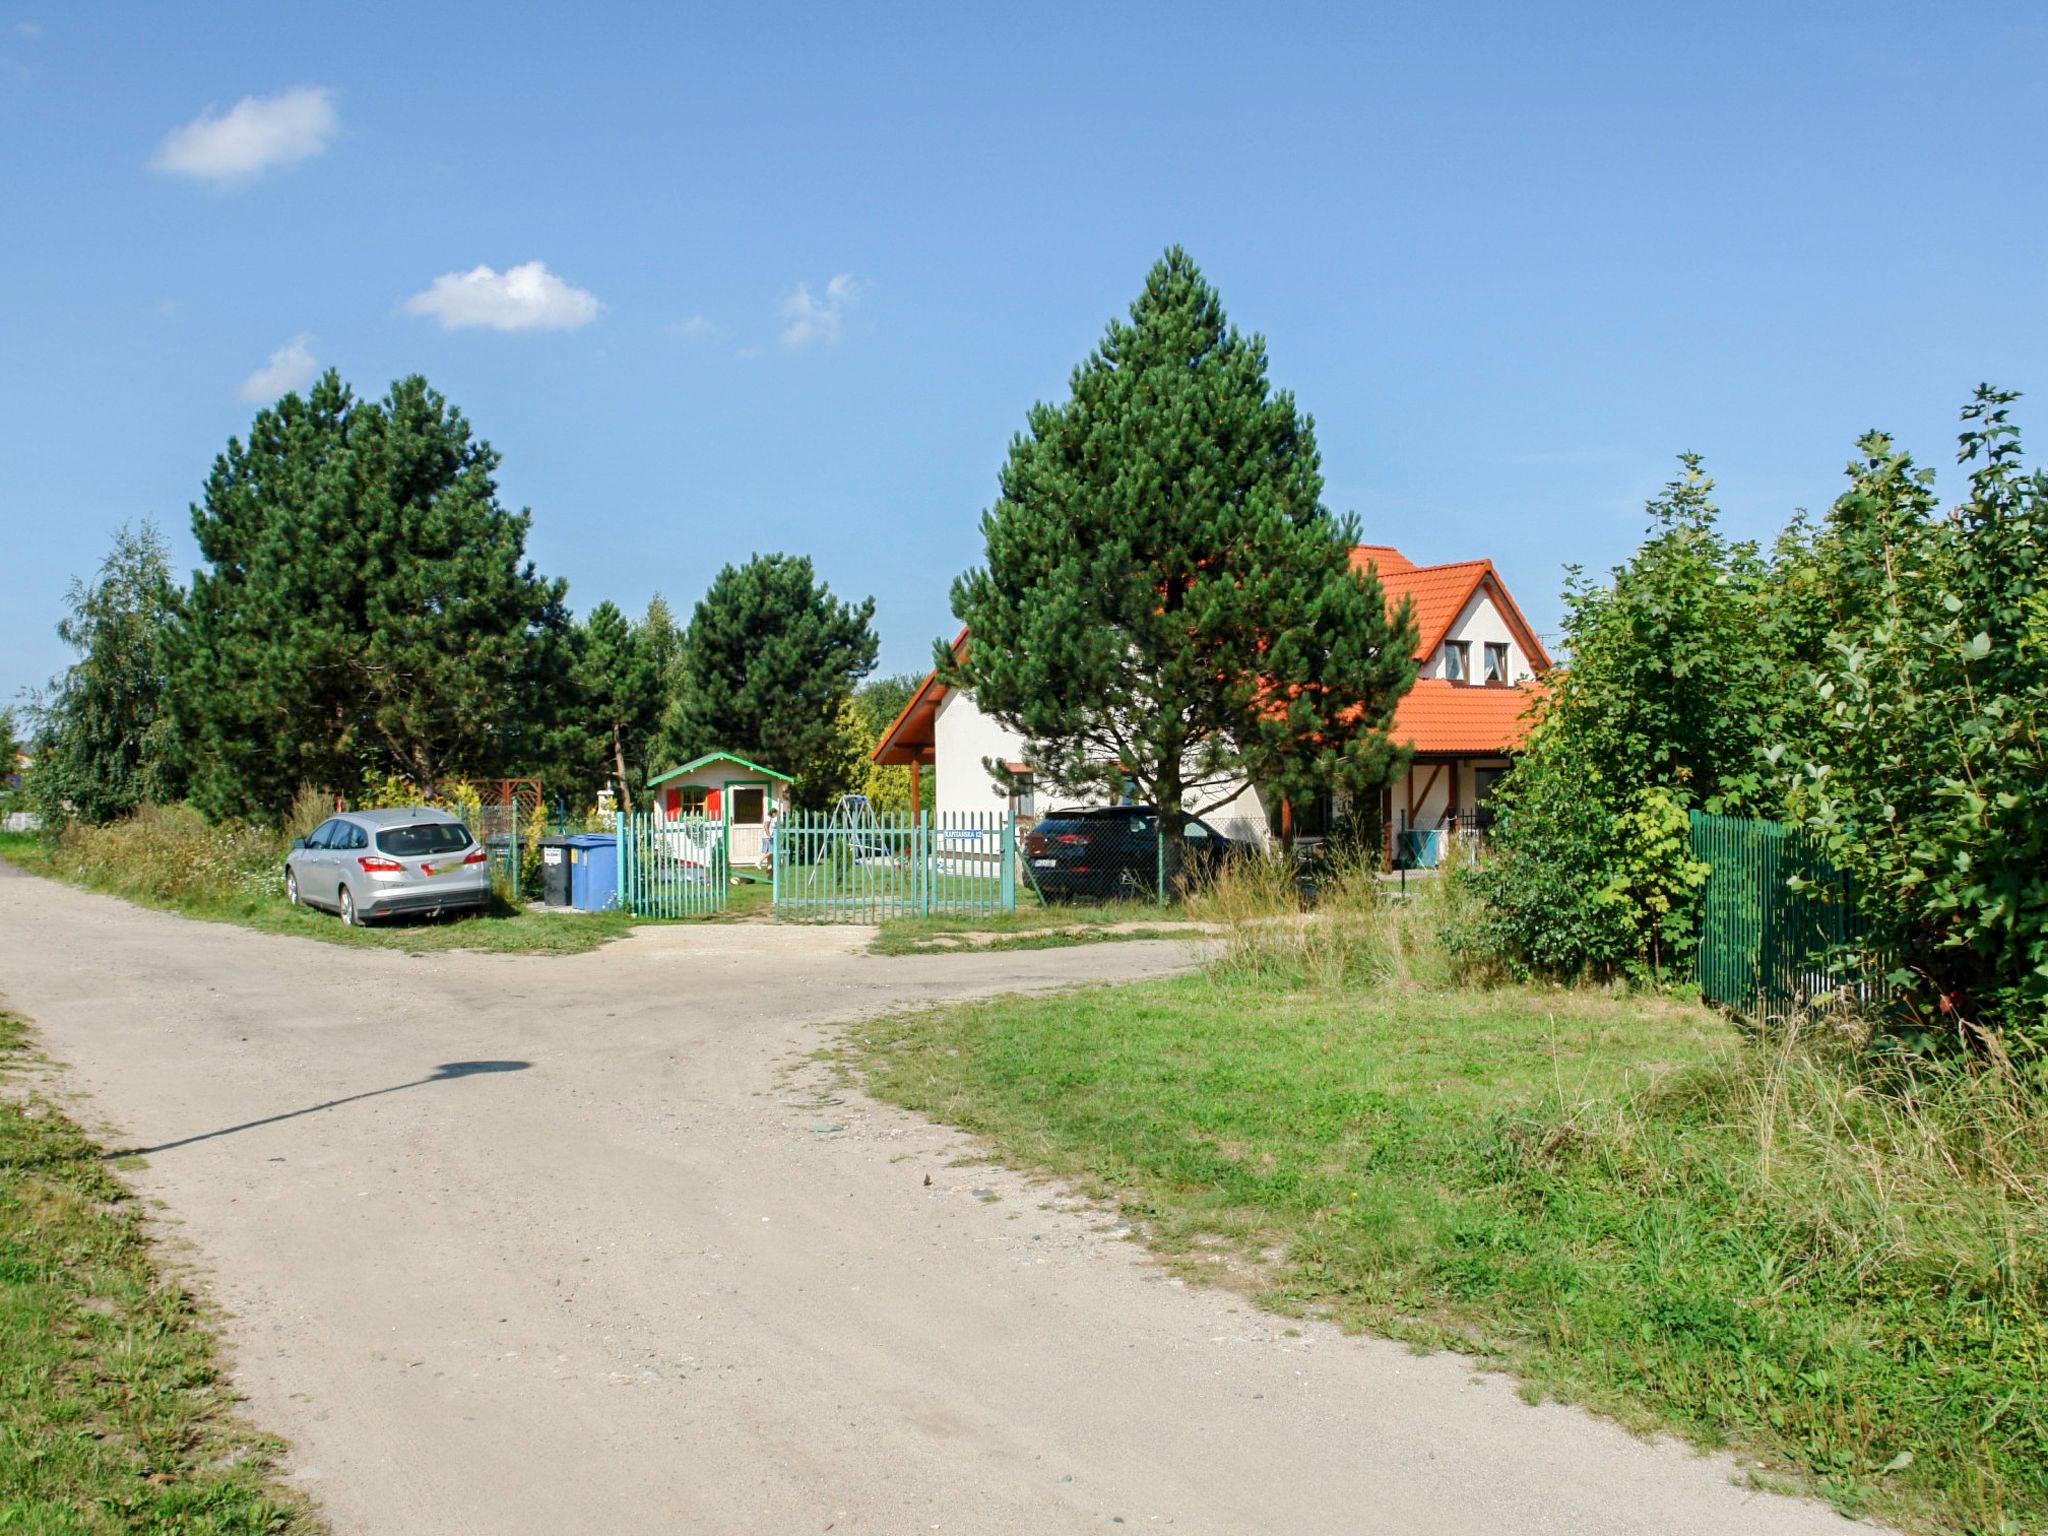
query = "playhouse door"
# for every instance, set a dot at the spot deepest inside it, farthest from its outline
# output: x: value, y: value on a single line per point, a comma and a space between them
x: 746, y: 824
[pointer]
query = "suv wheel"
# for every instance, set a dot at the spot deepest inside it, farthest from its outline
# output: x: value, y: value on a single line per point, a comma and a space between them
x: 348, y: 910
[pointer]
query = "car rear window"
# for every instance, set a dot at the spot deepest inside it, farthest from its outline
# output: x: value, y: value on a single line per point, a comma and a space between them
x: 426, y: 837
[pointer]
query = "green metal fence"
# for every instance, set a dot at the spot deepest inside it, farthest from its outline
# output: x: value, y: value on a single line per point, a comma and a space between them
x: 671, y: 866
x: 1778, y: 923
x: 863, y: 869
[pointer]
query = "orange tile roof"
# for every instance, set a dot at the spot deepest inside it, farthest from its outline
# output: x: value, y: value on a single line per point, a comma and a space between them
x: 1440, y: 716
x: 1440, y: 593
x: 1385, y: 556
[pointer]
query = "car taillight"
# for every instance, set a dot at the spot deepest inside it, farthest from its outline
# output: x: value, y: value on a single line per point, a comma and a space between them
x: 1072, y: 837
x: 1034, y: 842
x: 477, y: 856
x: 377, y: 864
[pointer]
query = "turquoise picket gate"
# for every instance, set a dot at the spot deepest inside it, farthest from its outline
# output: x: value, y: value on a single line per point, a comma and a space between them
x: 671, y: 866
x: 830, y: 868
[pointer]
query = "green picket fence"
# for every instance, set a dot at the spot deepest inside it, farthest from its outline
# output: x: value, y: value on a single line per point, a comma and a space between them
x: 1778, y: 922
x: 671, y: 866
x: 836, y: 869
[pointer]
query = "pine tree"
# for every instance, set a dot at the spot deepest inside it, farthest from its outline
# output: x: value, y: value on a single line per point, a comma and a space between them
x: 103, y: 744
x: 1166, y: 601
x: 366, y: 606
x: 768, y: 659
x: 618, y: 690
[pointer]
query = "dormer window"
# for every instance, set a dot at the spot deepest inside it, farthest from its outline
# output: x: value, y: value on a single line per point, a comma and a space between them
x: 1458, y: 661
x: 1497, y: 663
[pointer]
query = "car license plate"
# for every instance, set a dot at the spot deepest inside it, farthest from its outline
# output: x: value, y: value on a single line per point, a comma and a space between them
x: 1043, y: 863
x: 445, y: 869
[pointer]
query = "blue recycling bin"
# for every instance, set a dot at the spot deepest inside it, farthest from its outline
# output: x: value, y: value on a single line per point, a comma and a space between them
x: 593, y: 871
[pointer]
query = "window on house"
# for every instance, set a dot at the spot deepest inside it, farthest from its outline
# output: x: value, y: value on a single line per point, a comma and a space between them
x: 690, y: 801
x: 1458, y: 660
x: 1496, y: 661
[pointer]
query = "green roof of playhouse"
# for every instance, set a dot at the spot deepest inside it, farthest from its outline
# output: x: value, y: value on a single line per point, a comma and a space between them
x: 716, y: 757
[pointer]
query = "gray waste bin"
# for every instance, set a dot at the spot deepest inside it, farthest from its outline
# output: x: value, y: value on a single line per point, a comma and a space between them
x: 554, y: 871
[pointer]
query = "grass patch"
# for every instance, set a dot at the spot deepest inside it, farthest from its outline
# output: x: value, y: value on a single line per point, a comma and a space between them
x: 174, y: 860
x: 113, y: 1413
x: 1033, y: 925
x: 1758, y: 1244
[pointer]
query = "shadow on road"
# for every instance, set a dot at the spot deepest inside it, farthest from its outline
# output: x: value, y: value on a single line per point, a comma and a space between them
x: 447, y: 1072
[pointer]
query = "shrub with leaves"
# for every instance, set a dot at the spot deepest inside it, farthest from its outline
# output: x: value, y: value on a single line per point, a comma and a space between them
x: 1554, y: 853
x: 1668, y: 698
x: 1927, y: 774
x: 1655, y: 882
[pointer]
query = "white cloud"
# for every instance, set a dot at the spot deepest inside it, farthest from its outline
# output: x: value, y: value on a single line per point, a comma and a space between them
x: 818, y: 319
x: 696, y: 328
x: 253, y: 135
x: 522, y: 298
x: 291, y: 367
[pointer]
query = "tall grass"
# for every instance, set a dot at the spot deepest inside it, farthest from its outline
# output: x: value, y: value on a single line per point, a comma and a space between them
x: 1802, y: 1245
x: 1344, y: 925
x: 171, y: 855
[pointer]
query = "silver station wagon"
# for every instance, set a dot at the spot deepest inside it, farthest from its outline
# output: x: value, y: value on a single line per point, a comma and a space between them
x: 370, y: 864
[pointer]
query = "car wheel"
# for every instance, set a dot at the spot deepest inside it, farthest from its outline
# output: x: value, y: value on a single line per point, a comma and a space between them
x: 291, y: 887
x: 348, y: 909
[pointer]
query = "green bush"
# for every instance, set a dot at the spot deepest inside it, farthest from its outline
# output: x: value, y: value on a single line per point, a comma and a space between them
x: 1555, y: 851
x: 1922, y: 774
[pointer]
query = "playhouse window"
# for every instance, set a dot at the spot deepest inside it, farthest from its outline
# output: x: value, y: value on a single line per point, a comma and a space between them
x: 690, y: 801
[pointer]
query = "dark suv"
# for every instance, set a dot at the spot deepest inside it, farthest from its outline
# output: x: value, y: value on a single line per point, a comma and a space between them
x: 1114, y: 851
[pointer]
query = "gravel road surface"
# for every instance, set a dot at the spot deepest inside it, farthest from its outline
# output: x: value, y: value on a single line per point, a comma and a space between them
x: 514, y: 1245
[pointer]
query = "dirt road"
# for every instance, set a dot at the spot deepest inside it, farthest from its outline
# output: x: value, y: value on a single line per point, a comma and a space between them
x: 638, y: 1277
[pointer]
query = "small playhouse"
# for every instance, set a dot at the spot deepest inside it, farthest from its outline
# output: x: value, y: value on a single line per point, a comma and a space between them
x: 739, y: 796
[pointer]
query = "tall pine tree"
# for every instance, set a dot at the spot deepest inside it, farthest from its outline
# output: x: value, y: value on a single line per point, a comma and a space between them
x: 366, y: 605
x: 768, y: 659
x: 1166, y: 601
x: 618, y: 689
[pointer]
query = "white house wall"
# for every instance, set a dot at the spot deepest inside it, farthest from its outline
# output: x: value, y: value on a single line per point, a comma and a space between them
x: 1479, y: 623
x: 963, y: 738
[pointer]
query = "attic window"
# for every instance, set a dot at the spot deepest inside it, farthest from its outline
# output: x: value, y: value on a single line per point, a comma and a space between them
x: 1458, y: 661
x: 1496, y: 662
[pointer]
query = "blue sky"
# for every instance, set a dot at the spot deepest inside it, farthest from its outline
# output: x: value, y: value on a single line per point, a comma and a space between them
x: 1513, y: 259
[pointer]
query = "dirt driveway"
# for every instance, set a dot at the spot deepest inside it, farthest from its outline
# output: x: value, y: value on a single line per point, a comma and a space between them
x: 644, y: 1280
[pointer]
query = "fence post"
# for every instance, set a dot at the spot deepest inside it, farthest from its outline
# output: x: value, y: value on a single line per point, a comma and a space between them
x: 1008, y: 879
x: 924, y: 839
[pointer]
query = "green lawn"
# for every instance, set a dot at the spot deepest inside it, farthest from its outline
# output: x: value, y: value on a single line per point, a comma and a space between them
x: 113, y: 1413
x: 1618, y: 1198
x: 1033, y: 925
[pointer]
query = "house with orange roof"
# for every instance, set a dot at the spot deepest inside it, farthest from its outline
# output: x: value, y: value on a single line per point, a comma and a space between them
x: 1477, y: 663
